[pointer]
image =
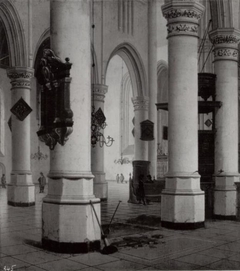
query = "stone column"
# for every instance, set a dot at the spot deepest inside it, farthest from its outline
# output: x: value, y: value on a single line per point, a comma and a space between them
x: 100, y: 185
x: 182, y: 205
x: 140, y: 163
x: 141, y: 106
x: 21, y: 189
x: 69, y: 223
x: 152, y: 83
x: 225, y: 43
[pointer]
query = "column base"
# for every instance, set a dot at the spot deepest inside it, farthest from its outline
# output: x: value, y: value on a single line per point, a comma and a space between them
x: 225, y: 196
x: 82, y: 247
x: 68, y: 219
x: 71, y: 227
x: 182, y: 203
x: 21, y: 191
x: 224, y: 217
x: 100, y: 186
x: 182, y: 226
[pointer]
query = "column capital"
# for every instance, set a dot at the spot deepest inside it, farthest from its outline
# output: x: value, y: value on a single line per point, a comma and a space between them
x: 99, y: 91
x: 182, y: 17
x: 225, y: 43
x: 140, y: 103
x: 20, y: 76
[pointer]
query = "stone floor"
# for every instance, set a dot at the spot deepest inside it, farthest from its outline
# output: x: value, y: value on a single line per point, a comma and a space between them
x: 215, y: 247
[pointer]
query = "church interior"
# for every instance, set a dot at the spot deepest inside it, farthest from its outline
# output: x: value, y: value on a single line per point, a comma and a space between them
x: 119, y: 135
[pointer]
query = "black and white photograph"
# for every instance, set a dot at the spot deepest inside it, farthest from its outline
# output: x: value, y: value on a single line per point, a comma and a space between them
x: 119, y: 135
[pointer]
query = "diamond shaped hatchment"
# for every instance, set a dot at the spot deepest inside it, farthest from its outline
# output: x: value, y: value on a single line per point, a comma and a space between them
x: 21, y: 109
x: 208, y: 122
x: 100, y: 117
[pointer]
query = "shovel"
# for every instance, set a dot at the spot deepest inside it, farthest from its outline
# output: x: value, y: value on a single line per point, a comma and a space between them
x: 107, y: 231
x: 108, y: 249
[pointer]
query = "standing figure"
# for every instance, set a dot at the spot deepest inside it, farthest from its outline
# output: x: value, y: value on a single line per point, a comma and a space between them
x: 121, y: 178
x: 140, y: 191
x: 42, y: 182
x: 117, y: 178
x: 3, y: 180
x: 130, y: 177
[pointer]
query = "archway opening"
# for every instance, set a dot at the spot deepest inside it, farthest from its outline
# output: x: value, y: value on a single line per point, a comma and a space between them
x: 120, y: 120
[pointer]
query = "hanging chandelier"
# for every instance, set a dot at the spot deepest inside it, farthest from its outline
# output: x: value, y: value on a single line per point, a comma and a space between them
x: 98, y: 124
x: 122, y: 160
x: 39, y: 155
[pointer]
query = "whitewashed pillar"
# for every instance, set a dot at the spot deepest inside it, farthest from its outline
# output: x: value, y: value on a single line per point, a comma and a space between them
x: 21, y: 189
x: 69, y: 223
x: 182, y: 205
x: 141, y: 106
x: 140, y: 163
x: 152, y: 83
x: 100, y: 185
x: 225, y: 43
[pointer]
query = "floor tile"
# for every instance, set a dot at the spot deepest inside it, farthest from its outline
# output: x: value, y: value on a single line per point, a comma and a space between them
x: 218, y: 253
x: 18, y: 249
x: 235, y: 257
x: 37, y: 257
x: 20, y: 238
x: 65, y: 264
x: 30, y: 268
x: 121, y: 265
x: 89, y: 269
x: 175, y: 265
x: 172, y: 245
x: 93, y: 259
x: 198, y: 259
x: 228, y: 238
x: 9, y: 261
x: 234, y: 246
x: 130, y: 258
x: 224, y: 264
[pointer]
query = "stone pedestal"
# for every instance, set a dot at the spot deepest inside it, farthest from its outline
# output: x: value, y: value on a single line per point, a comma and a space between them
x: 21, y: 189
x: 182, y: 205
x: 69, y: 223
x: 225, y: 43
x: 100, y: 186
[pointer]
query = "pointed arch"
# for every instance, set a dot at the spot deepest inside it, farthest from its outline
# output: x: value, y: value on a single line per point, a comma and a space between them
x: 135, y: 66
x: 15, y: 34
